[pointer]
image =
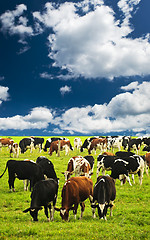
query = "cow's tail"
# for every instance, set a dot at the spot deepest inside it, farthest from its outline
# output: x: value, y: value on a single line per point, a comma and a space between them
x: 5, y: 169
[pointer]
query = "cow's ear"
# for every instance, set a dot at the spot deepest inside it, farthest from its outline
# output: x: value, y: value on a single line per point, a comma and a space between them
x: 57, y: 209
x: 63, y: 172
x: 27, y: 210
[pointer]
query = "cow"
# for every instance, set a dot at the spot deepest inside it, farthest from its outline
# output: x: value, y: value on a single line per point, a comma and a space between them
x: 115, y: 142
x: 27, y: 181
x: 6, y: 142
x: 38, y: 142
x: 125, y: 141
x: 123, y: 154
x: 147, y: 162
x: 104, y: 194
x: 86, y: 143
x: 14, y: 150
x: 58, y: 146
x: 105, y: 162
x: 23, y: 170
x: 130, y: 165
x: 77, y: 143
x: 50, y: 140
x: 146, y: 141
x: 78, y: 165
x: 74, y: 192
x: 47, y: 167
x: 91, y: 161
x: 44, y: 194
x: 26, y: 143
x: 134, y: 143
x: 98, y: 143
x: 146, y: 149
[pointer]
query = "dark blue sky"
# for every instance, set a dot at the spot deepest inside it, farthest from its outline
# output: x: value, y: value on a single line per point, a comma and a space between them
x: 74, y: 68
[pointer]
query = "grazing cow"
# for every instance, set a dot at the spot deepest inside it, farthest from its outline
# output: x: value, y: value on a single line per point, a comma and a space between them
x: 26, y: 143
x: 23, y: 170
x: 103, y: 196
x: 6, y: 142
x: 47, y: 167
x: 77, y: 143
x: 75, y: 191
x: 115, y: 142
x: 78, y: 165
x: 38, y: 142
x: 135, y: 143
x: 86, y: 143
x: 44, y: 194
x: 14, y: 150
x: 58, y: 146
x: 50, y: 140
x: 130, y: 165
x: 98, y: 143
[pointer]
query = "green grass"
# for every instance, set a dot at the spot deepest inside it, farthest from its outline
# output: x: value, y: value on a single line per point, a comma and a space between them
x: 130, y: 220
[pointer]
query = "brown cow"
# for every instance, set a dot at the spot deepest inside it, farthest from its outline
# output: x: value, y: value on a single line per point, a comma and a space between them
x: 147, y: 162
x: 6, y: 142
x: 98, y: 143
x: 78, y: 165
x: 59, y: 145
x: 75, y: 191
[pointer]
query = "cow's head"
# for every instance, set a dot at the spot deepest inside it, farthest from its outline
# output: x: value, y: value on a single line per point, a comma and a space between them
x: 33, y: 212
x: 64, y: 213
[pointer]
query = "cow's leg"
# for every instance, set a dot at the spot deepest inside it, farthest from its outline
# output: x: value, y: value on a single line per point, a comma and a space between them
x: 146, y: 169
x: 133, y: 179
x: 46, y: 212
x: 75, y: 210
x: 128, y: 179
x: 140, y: 174
x: 111, y: 207
x: 93, y: 205
x: 82, y: 209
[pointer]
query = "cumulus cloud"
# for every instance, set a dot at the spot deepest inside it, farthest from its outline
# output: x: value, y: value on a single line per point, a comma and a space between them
x: 64, y: 90
x: 3, y: 94
x: 14, y: 23
x: 38, y: 118
x: 95, y: 44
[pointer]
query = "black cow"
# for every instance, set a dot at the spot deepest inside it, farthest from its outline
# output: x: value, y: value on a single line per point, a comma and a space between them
x: 47, y: 167
x: 44, y: 194
x: 50, y: 140
x: 146, y: 149
x: 87, y: 143
x: 26, y: 143
x: 38, y: 142
x: 23, y: 170
x: 130, y: 165
x: 105, y: 162
x: 103, y: 196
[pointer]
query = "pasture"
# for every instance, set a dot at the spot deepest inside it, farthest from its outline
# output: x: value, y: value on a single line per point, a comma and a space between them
x: 130, y: 220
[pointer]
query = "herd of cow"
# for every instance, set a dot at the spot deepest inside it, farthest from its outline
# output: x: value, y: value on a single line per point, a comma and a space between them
x: 44, y: 182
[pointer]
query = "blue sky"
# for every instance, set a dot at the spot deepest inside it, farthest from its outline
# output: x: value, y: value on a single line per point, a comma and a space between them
x: 74, y: 67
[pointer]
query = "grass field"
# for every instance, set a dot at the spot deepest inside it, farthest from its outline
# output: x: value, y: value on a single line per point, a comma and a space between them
x: 130, y: 220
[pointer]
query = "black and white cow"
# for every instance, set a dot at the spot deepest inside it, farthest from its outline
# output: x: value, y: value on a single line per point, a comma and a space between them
x: 47, y: 167
x: 86, y: 143
x: 26, y: 143
x: 23, y: 170
x: 135, y: 143
x: 114, y: 142
x: 104, y: 195
x: 130, y: 165
x: 125, y: 141
x: 38, y: 142
x: 90, y: 159
x: 105, y: 162
x: 44, y: 194
x: 53, y: 139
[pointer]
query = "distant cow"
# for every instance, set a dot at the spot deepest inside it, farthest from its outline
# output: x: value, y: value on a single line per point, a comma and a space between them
x: 50, y: 140
x: 77, y: 143
x: 87, y: 143
x: 47, y: 167
x: 44, y: 194
x: 26, y: 143
x: 78, y: 165
x: 14, y: 150
x: 23, y: 170
x: 115, y: 142
x: 58, y: 146
x: 104, y: 195
x: 75, y: 191
x: 98, y: 143
x: 38, y: 142
x: 6, y: 142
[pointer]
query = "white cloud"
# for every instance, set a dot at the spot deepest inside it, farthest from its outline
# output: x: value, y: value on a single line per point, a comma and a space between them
x: 14, y: 23
x: 38, y: 118
x: 65, y: 89
x: 3, y: 94
x: 95, y: 45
